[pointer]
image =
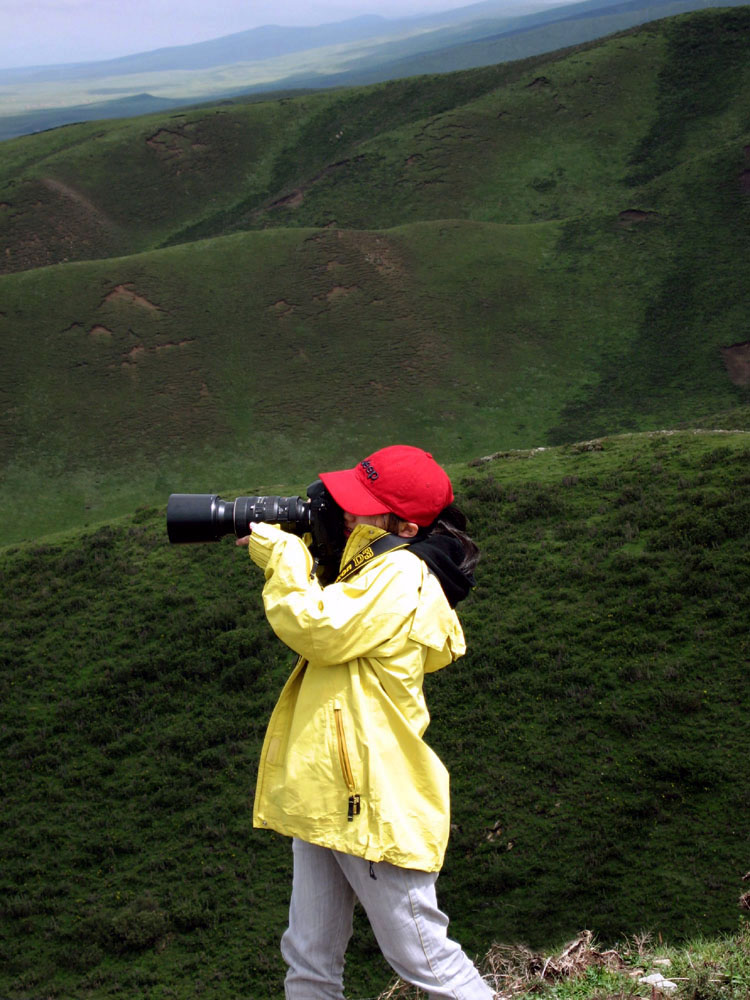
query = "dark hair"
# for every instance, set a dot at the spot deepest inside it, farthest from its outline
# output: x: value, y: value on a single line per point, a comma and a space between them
x: 450, y: 521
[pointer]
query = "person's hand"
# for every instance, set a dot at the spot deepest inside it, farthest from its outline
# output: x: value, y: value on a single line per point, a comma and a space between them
x: 244, y: 541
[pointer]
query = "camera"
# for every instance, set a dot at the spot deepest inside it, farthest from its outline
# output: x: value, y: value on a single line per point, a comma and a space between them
x: 205, y: 517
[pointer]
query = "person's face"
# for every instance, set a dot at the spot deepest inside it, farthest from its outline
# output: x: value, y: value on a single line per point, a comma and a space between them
x: 351, y: 520
x: 405, y: 528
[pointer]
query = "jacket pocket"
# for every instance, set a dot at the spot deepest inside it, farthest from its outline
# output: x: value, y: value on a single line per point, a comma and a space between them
x: 346, y: 765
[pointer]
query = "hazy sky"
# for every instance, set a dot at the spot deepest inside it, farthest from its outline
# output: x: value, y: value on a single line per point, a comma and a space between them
x: 40, y: 32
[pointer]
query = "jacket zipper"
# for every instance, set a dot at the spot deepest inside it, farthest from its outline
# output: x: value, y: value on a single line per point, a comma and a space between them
x: 346, y: 767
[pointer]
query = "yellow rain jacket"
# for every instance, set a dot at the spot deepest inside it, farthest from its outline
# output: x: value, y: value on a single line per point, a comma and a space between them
x: 343, y: 763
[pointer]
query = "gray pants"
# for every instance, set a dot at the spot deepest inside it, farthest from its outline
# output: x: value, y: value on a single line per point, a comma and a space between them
x: 402, y: 909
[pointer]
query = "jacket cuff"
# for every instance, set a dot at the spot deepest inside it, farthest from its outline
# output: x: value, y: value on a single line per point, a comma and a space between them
x: 263, y: 537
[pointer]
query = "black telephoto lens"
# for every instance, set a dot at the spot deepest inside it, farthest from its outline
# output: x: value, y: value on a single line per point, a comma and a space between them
x: 199, y: 517
x: 290, y: 513
x: 205, y: 517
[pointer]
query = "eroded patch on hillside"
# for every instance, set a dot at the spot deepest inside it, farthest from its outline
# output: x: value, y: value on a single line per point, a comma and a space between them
x: 140, y: 352
x: 340, y: 292
x: 359, y: 255
x: 737, y: 362
x: 130, y: 359
x: 293, y: 200
x: 323, y: 327
x: 171, y: 344
x: 282, y: 308
x: 174, y: 143
x: 635, y: 216
x: 383, y: 259
x: 296, y: 197
x: 100, y: 332
x: 127, y: 293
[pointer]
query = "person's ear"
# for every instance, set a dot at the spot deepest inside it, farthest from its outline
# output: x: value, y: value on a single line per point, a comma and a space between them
x: 407, y: 529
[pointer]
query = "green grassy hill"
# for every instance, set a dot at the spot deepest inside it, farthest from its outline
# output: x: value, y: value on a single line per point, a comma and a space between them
x: 234, y: 298
x: 528, y: 254
x: 595, y: 732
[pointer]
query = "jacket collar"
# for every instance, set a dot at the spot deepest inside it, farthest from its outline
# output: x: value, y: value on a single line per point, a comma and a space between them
x: 441, y: 553
x: 362, y: 535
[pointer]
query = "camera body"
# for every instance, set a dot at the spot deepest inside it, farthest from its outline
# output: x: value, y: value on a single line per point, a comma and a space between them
x: 205, y: 517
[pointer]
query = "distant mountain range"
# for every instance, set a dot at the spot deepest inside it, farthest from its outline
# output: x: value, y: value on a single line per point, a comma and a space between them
x: 244, y: 46
x: 356, y: 51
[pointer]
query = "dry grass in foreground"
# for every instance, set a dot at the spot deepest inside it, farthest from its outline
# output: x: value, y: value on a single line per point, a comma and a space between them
x: 706, y: 970
x: 512, y: 970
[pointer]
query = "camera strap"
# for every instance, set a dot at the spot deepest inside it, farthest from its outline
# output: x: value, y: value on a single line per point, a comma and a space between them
x: 386, y: 543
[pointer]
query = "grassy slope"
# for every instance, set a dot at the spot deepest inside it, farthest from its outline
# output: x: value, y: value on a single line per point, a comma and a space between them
x: 478, y: 276
x: 595, y: 732
x: 165, y: 393
x: 161, y: 178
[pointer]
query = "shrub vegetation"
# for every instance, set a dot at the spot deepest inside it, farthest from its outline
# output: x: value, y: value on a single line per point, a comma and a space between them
x: 595, y: 732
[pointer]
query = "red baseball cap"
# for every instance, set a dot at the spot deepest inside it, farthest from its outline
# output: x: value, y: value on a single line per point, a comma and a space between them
x: 399, y: 479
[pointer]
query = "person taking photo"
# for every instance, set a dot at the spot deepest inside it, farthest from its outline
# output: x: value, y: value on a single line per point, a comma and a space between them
x: 344, y: 768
